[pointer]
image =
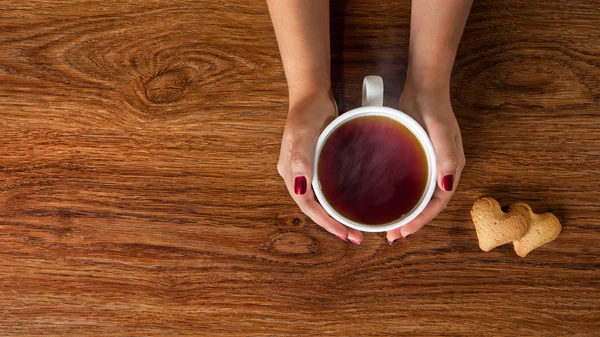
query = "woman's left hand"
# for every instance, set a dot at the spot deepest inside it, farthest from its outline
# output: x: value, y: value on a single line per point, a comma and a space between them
x: 432, y: 109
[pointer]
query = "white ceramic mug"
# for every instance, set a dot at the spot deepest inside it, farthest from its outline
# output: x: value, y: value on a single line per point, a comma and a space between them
x: 372, y: 105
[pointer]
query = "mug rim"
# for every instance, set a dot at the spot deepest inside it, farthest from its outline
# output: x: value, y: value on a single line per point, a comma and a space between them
x: 415, y: 128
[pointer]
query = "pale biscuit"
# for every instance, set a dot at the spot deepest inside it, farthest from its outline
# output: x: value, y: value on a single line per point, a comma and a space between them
x: 493, y: 226
x: 542, y: 228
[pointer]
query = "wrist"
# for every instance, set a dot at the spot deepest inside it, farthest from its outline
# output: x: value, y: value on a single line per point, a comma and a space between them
x: 425, y: 90
x: 309, y: 91
x: 313, y: 105
x: 428, y: 79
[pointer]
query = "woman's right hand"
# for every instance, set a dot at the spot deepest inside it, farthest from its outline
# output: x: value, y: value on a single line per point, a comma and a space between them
x: 307, y: 117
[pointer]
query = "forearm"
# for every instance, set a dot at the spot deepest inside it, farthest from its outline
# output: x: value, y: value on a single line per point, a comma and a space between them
x: 435, y: 31
x: 302, y: 30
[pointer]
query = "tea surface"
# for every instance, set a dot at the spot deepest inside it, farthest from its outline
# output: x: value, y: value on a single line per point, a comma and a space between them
x: 372, y: 170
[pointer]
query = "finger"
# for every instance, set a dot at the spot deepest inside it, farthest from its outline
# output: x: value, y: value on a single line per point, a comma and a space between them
x: 355, y: 236
x: 434, y: 207
x: 440, y: 199
x: 309, y: 206
x: 301, y: 161
x: 446, y: 155
x: 447, y: 166
x: 304, y: 197
x: 301, y: 168
x: 301, y: 172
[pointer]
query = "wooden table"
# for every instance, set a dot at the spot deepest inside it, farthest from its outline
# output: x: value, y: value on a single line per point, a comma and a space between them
x: 139, y: 195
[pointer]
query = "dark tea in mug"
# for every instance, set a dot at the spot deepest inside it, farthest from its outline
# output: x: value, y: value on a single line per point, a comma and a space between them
x: 372, y: 170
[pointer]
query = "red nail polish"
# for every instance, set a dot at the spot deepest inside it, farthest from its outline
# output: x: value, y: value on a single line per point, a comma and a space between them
x: 300, y: 185
x: 356, y: 242
x: 448, y: 182
x: 341, y: 238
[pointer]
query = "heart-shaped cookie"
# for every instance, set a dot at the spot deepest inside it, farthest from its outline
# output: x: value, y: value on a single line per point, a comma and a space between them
x: 493, y: 226
x: 542, y: 228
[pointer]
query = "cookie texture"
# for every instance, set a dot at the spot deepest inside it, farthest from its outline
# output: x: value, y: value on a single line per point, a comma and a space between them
x: 542, y: 228
x: 494, y: 227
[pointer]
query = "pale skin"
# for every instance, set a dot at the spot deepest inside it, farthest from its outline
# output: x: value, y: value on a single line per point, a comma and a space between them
x: 302, y: 30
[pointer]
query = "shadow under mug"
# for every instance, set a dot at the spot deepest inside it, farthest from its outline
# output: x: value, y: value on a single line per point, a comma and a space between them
x: 372, y: 105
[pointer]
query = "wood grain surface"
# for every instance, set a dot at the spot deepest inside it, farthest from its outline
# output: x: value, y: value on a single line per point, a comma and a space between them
x: 139, y: 195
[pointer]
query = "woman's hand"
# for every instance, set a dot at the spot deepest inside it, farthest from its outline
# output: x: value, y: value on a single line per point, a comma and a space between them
x: 435, y: 30
x: 432, y: 109
x: 302, y: 29
x: 307, y: 117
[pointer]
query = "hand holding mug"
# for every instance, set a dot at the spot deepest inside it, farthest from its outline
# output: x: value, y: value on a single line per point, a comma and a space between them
x: 307, y: 117
x: 375, y: 167
x: 380, y: 177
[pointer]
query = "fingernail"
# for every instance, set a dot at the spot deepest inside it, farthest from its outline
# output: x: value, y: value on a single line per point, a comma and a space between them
x: 300, y: 185
x: 356, y: 242
x: 448, y: 182
x: 406, y: 235
x: 391, y: 242
x: 341, y: 238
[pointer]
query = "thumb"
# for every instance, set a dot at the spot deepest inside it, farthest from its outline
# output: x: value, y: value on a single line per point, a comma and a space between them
x: 301, y: 162
x: 446, y: 160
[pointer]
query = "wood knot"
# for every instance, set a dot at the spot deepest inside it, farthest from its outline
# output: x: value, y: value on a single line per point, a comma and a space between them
x: 168, y: 87
x: 294, y: 243
x: 530, y: 78
x: 290, y: 223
